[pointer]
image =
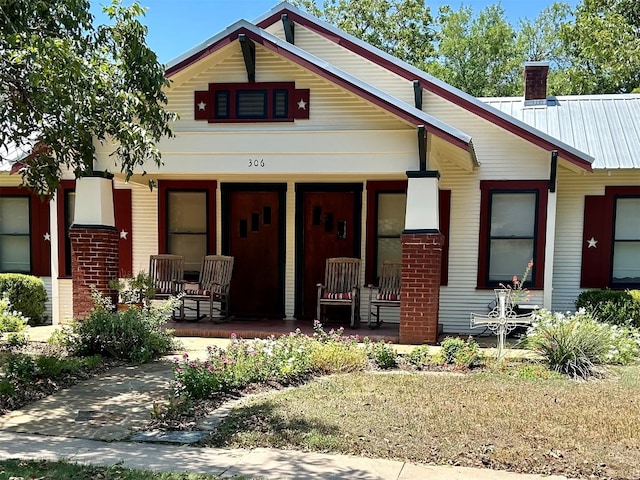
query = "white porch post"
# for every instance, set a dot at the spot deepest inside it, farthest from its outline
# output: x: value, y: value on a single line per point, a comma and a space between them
x: 550, y: 234
x: 55, y: 272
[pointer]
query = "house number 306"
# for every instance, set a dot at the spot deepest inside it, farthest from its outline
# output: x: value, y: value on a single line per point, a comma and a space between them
x: 255, y: 163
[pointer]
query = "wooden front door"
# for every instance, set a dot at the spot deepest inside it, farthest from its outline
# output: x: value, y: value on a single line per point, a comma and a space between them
x: 328, y: 225
x: 253, y: 233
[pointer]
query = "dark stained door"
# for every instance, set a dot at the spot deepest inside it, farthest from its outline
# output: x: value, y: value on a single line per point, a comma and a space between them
x: 254, y: 236
x: 330, y: 227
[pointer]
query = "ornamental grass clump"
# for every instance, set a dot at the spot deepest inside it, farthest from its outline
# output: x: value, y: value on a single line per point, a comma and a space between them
x: 576, y: 344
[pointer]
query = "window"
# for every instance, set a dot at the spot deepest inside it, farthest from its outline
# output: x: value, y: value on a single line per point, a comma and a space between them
x: 187, y: 226
x: 251, y: 102
x: 386, y: 210
x: 187, y: 221
x: 512, y: 231
x: 611, y: 239
x: 390, y: 224
x: 25, y: 240
x: 626, y: 242
x: 15, y: 234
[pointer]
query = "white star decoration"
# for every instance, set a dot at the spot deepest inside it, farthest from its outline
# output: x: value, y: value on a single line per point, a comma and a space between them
x: 123, y: 234
x: 47, y: 237
x: 592, y: 243
x: 302, y: 105
x: 201, y: 105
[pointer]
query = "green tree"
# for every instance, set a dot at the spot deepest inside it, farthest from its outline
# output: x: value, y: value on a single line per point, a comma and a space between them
x: 65, y: 84
x: 478, y: 54
x: 604, y: 47
x: 538, y: 40
x: 402, y: 28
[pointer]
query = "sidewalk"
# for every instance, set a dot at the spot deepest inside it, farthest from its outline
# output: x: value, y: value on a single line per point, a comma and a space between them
x: 76, y: 424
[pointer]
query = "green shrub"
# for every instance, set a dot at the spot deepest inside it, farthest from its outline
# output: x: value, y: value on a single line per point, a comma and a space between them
x: 337, y: 357
x: 10, y: 320
x: 618, y: 307
x: 576, y: 343
x: 26, y: 294
x: 20, y: 367
x: 383, y: 354
x: 419, y: 357
x: 7, y: 389
x: 133, y: 335
x: 17, y: 340
x: 459, y: 353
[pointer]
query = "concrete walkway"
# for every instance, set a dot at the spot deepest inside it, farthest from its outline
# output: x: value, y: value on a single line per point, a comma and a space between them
x: 77, y: 423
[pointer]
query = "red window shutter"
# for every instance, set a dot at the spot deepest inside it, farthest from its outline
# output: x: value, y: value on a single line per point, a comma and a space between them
x: 445, y: 222
x: 203, y: 106
x: 301, y: 103
x: 40, y: 237
x: 596, y: 259
x: 122, y: 211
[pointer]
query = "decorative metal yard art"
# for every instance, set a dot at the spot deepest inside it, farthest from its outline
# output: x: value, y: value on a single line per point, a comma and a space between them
x: 502, y: 319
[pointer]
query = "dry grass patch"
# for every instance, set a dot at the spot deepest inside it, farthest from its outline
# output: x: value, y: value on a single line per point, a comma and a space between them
x: 538, y: 426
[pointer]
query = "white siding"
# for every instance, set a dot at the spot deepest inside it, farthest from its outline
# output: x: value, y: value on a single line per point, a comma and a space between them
x: 65, y: 309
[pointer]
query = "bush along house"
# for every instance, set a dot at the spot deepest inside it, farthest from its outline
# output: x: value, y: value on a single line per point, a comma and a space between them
x: 298, y: 142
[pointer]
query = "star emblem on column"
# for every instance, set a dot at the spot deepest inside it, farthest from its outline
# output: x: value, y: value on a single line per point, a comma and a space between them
x: 47, y: 237
x: 202, y: 105
x: 302, y: 105
x: 592, y: 243
x: 123, y: 234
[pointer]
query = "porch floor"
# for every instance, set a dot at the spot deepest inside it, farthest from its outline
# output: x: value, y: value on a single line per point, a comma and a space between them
x: 265, y: 327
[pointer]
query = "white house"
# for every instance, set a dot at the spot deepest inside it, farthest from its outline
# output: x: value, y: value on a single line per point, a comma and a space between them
x: 298, y: 142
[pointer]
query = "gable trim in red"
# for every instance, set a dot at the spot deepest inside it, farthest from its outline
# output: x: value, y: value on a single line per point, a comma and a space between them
x: 361, y: 91
x: 426, y: 83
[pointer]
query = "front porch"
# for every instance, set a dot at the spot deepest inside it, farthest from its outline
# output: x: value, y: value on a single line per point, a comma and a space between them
x: 265, y: 327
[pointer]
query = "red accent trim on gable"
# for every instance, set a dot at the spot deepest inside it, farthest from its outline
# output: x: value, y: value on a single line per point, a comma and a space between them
x: 375, y: 187
x: 361, y: 92
x: 596, y: 262
x: 301, y: 111
x: 167, y: 185
x: 122, y: 213
x: 428, y: 85
x: 488, y: 186
x: 206, y: 98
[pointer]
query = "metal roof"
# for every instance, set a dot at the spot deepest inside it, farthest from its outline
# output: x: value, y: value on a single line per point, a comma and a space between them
x: 607, y: 127
x: 10, y: 154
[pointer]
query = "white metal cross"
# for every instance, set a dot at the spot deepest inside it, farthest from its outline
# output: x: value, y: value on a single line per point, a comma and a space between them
x: 502, y: 319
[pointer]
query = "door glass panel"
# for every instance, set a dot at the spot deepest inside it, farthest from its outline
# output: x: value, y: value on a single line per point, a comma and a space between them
x: 513, y: 214
x: 255, y: 222
x: 388, y: 249
x: 266, y: 215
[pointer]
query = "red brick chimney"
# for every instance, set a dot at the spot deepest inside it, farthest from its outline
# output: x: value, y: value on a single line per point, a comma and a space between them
x: 535, y: 80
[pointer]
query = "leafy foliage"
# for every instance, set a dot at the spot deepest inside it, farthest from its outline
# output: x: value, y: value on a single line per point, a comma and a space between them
x: 460, y: 353
x: 25, y: 293
x: 383, y: 354
x: 10, y: 320
x: 65, y: 83
x: 133, y: 335
x: 402, y: 28
x: 618, y: 307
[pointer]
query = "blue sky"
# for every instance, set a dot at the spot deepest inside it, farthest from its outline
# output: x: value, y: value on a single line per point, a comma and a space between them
x: 176, y: 26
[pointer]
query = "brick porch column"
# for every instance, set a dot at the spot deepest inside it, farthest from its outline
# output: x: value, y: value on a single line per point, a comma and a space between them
x: 421, y: 260
x: 94, y: 241
x: 421, y: 263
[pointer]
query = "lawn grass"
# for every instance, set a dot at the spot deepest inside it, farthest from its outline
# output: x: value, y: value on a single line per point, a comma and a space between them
x: 41, y: 470
x: 550, y: 425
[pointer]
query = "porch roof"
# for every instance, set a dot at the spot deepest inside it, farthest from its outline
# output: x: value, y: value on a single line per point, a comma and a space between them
x: 470, y: 103
x: 318, y: 66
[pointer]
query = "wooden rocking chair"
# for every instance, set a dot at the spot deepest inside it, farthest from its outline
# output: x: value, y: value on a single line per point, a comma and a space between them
x: 166, y: 272
x: 342, y: 286
x: 388, y: 291
x: 213, y: 287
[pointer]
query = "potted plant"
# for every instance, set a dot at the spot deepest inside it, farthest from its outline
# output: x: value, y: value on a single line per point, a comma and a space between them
x: 133, y: 290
